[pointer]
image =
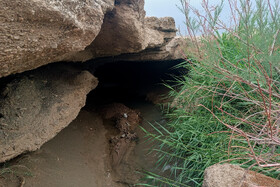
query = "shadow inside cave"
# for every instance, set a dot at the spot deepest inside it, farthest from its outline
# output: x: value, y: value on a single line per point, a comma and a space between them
x: 126, y: 81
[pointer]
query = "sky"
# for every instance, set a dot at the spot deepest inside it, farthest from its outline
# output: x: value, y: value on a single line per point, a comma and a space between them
x: 163, y: 8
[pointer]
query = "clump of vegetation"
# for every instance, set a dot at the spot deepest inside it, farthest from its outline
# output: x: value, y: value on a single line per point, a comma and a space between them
x: 13, y: 172
x: 228, y: 107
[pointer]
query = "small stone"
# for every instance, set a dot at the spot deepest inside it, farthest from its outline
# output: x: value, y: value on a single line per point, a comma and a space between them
x: 227, y: 175
x: 54, y: 45
x: 125, y: 115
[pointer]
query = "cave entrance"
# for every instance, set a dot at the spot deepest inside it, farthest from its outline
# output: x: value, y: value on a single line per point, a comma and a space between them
x: 95, y: 150
x: 125, y: 99
x: 127, y: 81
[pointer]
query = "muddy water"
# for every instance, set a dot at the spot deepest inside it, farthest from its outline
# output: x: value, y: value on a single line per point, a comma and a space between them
x: 80, y: 154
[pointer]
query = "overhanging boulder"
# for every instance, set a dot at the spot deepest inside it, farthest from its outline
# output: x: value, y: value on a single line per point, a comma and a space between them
x: 36, y: 106
x: 37, y: 32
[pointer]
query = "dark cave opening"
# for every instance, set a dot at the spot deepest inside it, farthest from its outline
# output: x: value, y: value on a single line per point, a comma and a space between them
x: 119, y: 81
x: 126, y: 81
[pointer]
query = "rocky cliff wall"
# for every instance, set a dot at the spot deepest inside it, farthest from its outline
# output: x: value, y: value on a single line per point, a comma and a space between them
x: 36, y: 105
x: 37, y: 32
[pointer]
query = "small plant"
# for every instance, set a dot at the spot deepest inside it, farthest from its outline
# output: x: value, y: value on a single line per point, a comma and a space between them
x: 14, y: 172
x: 228, y: 108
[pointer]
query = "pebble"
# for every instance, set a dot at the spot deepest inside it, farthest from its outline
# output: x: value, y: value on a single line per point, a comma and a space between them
x: 125, y: 115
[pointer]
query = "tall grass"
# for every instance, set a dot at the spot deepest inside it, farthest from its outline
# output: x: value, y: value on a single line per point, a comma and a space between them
x: 227, y: 109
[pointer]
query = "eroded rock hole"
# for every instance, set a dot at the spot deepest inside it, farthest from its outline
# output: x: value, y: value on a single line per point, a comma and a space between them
x: 127, y: 81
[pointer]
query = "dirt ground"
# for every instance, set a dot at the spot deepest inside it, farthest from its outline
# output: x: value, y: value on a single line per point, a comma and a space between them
x: 81, y: 154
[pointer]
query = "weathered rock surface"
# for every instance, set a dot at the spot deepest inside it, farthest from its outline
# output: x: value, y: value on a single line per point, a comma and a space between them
x: 128, y: 34
x: 176, y: 49
x: 227, y: 175
x: 38, y: 32
x: 122, y: 30
x: 172, y: 50
x: 36, y: 106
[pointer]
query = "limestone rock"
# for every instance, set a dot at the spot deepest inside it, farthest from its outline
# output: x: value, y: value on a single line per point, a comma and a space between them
x: 176, y: 49
x: 36, y: 106
x: 172, y: 50
x: 227, y: 175
x: 126, y: 31
x: 38, y: 32
x: 159, y: 31
x: 122, y: 31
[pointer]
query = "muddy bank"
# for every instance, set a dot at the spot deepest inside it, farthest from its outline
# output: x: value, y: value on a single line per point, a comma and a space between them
x: 126, y: 121
x: 81, y: 154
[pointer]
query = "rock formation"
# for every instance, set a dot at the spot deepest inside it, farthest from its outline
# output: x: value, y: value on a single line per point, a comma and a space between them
x: 227, y: 175
x: 35, y: 107
x: 37, y: 32
x: 175, y: 49
x: 127, y: 35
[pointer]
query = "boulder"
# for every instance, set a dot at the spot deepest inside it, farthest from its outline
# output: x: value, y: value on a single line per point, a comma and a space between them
x: 38, y: 32
x: 126, y: 32
x: 175, y: 49
x: 122, y: 31
x: 35, y: 106
x: 227, y: 175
